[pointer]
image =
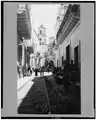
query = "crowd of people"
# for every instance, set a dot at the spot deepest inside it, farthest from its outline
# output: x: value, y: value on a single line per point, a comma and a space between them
x: 28, y: 71
x: 64, y: 75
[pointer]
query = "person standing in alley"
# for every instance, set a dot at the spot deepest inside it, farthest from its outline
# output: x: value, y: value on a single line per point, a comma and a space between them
x: 28, y: 69
x: 43, y: 71
x: 48, y: 68
x: 40, y: 71
x: 36, y: 72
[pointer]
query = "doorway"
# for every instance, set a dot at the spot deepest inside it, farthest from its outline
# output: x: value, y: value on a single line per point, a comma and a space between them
x: 68, y: 53
x: 76, y: 56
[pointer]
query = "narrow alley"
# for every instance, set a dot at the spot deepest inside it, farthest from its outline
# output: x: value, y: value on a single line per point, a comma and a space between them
x: 48, y: 59
x: 44, y: 96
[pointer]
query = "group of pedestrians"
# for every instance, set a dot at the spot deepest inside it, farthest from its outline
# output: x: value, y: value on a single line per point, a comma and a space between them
x: 26, y: 71
x: 41, y: 70
x: 23, y: 71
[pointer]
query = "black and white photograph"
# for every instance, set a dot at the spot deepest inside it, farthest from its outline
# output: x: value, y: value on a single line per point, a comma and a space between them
x: 48, y: 59
x: 52, y: 69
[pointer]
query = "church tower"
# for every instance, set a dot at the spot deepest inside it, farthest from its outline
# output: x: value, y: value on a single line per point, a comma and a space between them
x: 42, y: 35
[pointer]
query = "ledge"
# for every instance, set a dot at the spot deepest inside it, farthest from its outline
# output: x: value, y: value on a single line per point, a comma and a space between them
x: 73, y: 10
x: 69, y: 24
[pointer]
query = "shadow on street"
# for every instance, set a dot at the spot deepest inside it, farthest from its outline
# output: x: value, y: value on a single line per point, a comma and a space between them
x: 60, y: 102
x: 35, y: 102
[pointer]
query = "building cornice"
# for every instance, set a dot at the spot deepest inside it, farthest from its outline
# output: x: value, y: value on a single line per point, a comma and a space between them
x: 67, y: 38
x: 68, y: 23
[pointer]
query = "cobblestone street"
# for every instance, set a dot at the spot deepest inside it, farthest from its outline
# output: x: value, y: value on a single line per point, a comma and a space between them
x: 45, y: 96
x: 36, y: 100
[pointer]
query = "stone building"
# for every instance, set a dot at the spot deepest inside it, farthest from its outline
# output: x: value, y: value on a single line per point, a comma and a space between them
x: 40, y: 47
x: 24, y: 46
x: 61, y: 12
x: 51, y: 40
x: 51, y: 50
x: 35, y: 43
x: 68, y: 42
x: 42, y: 35
x: 71, y: 38
x: 68, y: 48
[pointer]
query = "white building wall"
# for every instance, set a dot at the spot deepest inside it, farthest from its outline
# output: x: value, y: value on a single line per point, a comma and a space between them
x: 84, y: 33
x: 73, y: 40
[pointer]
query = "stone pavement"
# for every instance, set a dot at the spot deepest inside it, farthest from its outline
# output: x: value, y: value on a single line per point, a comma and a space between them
x: 58, y: 101
x: 21, y: 82
x: 24, y: 85
x: 36, y: 100
x: 43, y: 95
x: 23, y: 91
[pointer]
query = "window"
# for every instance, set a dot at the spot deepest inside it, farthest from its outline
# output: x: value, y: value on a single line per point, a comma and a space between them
x: 76, y: 55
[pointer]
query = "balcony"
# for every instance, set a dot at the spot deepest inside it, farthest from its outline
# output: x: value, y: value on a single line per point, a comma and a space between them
x: 24, y: 24
x: 69, y: 21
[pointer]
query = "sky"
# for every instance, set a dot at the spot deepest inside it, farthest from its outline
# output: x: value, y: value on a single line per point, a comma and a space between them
x: 45, y: 14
